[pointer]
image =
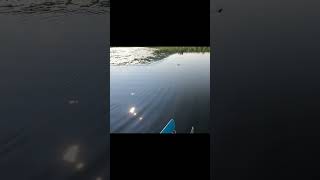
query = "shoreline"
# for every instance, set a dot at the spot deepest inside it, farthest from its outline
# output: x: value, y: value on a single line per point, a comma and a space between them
x: 181, y: 50
x: 147, y: 55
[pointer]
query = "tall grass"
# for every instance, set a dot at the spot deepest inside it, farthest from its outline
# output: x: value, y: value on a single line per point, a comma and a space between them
x: 181, y: 50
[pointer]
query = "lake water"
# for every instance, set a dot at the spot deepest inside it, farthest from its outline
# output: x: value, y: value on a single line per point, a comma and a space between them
x: 144, y: 97
x: 53, y: 88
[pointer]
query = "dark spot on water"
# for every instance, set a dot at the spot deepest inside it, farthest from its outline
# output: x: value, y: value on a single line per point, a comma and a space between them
x: 220, y: 10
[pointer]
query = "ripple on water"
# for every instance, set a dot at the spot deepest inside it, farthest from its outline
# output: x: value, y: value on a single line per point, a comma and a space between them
x: 162, y: 91
x: 54, y: 6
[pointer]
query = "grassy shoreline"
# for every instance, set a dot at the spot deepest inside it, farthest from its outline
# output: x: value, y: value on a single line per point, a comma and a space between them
x: 163, y: 52
x: 156, y: 53
x: 181, y: 50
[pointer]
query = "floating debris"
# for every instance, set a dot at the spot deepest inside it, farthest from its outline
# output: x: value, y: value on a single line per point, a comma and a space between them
x: 132, y: 94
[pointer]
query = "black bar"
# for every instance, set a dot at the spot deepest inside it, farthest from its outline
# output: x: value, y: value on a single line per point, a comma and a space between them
x: 160, y: 156
x: 162, y: 22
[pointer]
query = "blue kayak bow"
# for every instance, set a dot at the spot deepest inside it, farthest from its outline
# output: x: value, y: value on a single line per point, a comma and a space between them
x: 170, y: 128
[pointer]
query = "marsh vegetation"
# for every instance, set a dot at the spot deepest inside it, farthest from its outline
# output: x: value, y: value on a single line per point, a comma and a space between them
x: 181, y: 50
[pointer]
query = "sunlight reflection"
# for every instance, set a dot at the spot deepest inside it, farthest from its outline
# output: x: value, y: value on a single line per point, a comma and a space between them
x: 79, y: 166
x: 71, y: 153
x: 132, y: 110
x: 73, y: 101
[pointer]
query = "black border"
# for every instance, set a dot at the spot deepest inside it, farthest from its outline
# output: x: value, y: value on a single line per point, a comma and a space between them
x: 160, y: 23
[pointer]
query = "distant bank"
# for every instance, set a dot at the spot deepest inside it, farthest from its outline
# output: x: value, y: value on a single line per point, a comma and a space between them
x: 145, y: 55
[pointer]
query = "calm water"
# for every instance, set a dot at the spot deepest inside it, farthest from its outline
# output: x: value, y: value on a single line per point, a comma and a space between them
x: 52, y: 70
x: 145, y: 97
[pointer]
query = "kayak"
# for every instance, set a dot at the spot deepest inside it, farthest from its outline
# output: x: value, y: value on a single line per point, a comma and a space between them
x: 170, y: 128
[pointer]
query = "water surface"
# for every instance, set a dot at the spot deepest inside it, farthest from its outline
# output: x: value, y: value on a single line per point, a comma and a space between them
x: 144, y: 97
x: 53, y: 86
